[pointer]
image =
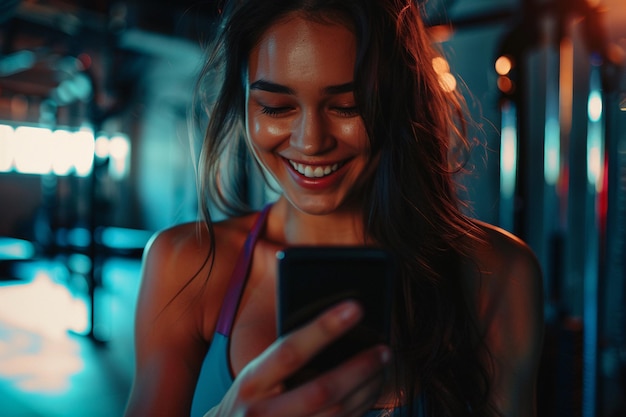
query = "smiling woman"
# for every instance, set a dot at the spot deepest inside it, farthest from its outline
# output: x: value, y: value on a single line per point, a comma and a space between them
x: 302, y: 121
x: 339, y: 104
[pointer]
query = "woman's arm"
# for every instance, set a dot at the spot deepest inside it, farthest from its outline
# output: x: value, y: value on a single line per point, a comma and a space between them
x: 169, y: 347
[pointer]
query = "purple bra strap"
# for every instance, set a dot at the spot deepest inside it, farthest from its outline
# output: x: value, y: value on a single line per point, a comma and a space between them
x: 240, y: 276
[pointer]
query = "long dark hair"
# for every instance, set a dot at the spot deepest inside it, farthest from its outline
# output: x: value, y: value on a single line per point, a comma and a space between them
x: 418, y: 129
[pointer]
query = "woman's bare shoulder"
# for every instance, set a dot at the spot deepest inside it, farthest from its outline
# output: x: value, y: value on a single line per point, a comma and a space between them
x: 510, y: 312
x: 187, y: 245
x: 503, y: 256
x: 183, y: 265
x: 508, y: 270
x: 508, y: 283
x: 510, y: 296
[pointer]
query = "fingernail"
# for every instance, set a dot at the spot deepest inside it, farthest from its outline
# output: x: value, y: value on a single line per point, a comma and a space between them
x: 349, y: 312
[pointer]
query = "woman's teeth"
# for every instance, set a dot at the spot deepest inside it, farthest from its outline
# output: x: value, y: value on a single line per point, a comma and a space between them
x: 314, y: 172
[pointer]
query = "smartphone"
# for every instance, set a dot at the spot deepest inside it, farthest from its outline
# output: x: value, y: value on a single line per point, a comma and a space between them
x: 313, y: 278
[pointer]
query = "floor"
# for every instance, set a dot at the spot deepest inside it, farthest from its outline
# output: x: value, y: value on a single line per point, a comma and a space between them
x: 49, y: 364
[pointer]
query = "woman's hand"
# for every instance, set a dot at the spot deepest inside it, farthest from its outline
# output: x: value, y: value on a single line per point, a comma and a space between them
x: 348, y: 390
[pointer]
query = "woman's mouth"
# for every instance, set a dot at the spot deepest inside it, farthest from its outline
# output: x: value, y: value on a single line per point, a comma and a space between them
x: 317, y: 177
x: 315, y: 171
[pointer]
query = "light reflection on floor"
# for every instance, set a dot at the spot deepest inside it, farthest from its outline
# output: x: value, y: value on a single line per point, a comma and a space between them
x: 35, y: 352
x: 47, y: 366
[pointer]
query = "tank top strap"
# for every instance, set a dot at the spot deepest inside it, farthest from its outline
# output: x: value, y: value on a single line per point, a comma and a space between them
x: 240, y: 276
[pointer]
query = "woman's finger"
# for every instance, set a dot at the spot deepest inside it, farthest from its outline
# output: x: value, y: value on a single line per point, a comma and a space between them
x: 291, y: 352
x: 351, y: 387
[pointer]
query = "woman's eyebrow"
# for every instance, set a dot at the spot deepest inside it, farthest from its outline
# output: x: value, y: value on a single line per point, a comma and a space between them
x: 271, y: 87
x: 339, y: 89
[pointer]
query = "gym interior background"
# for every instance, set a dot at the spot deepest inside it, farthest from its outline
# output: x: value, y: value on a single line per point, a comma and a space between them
x: 96, y: 155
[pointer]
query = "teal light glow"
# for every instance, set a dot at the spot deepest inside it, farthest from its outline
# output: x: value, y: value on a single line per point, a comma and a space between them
x: 594, y: 106
x: 552, y: 151
x: 595, y: 132
x: 508, y: 164
x: 595, y: 154
x: 508, y: 154
x: 119, y: 151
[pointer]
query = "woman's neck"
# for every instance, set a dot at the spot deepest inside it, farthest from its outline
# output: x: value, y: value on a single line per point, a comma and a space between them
x: 291, y: 226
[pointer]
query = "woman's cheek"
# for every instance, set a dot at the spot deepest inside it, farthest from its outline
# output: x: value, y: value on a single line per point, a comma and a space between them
x: 354, y: 133
x: 266, y: 134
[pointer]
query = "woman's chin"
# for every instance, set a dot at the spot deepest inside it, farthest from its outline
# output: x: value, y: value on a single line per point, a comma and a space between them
x: 320, y: 206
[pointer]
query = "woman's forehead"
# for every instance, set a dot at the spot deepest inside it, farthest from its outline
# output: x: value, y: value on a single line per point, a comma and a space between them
x: 298, y: 46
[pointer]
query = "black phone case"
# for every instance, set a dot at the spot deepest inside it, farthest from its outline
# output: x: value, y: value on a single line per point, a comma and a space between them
x: 311, y: 279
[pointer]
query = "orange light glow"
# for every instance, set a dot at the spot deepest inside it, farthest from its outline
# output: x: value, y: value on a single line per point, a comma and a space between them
x: 504, y: 65
x: 440, y: 65
x: 447, y: 82
x: 440, y: 33
x: 566, y: 84
x: 505, y: 84
x: 446, y: 79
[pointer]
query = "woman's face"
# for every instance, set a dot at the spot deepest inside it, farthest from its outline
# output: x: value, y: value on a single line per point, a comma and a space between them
x: 301, y: 116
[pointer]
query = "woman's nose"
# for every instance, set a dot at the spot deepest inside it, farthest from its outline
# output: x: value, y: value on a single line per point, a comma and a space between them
x: 311, y: 135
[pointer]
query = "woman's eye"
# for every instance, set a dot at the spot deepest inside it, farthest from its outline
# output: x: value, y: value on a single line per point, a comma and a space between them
x: 347, y: 111
x: 274, y: 111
